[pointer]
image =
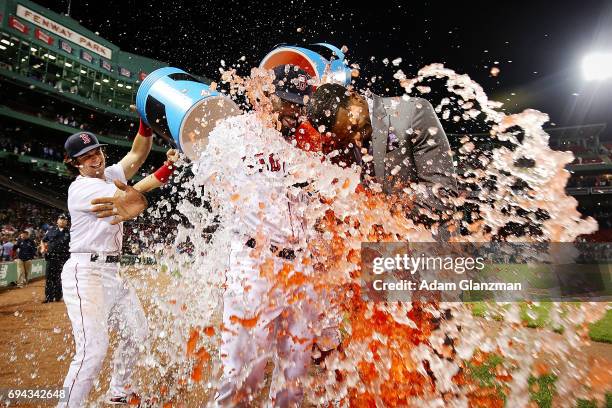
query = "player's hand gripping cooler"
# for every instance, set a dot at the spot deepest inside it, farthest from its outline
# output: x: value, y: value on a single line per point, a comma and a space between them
x: 182, y: 109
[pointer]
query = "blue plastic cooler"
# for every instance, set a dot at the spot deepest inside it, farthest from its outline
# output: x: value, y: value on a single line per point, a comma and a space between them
x: 181, y: 108
x: 334, y: 70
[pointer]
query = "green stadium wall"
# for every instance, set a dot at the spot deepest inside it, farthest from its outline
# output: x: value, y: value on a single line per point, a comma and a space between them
x: 27, y: 26
x: 8, y: 271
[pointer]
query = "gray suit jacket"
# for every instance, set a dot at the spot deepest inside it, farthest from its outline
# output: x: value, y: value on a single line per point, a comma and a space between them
x: 421, y: 151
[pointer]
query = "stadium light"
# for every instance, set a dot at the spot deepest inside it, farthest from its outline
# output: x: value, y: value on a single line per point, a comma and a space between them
x: 33, y: 49
x: 2, y: 47
x: 5, y: 41
x: 128, y: 87
x: 597, y: 66
x: 67, y: 64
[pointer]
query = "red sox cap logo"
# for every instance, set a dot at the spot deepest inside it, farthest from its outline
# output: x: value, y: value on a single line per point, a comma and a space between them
x: 302, y: 83
x: 85, y: 138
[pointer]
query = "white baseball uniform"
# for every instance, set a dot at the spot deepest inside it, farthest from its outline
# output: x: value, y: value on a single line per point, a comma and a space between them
x: 96, y: 296
x: 282, y: 333
x: 270, y: 211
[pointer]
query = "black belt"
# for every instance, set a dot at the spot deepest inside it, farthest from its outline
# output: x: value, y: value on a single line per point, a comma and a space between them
x: 285, y: 253
x: 109, y: 258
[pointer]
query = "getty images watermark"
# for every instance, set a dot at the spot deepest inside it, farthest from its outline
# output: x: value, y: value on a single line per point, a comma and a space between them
x: 467, y: 272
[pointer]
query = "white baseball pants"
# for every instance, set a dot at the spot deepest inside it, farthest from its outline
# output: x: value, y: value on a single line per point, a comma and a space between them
x: 97, y: 298
x: 283, y: 333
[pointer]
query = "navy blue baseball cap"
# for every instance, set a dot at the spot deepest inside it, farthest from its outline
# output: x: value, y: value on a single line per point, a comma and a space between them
x: 292, y: 84
x: 80, y: 143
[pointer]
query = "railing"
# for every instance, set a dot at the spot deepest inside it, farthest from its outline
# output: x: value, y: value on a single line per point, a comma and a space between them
x: 574, y: 191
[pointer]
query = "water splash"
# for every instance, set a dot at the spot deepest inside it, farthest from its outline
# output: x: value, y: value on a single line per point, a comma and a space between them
x: 391, y: 354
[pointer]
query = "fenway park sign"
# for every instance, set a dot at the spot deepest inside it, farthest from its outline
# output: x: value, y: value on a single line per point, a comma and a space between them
x: 64, y: 32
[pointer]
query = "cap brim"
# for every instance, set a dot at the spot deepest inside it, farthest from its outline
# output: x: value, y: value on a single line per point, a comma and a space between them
x: 88, y: 149
x: 291, y: 97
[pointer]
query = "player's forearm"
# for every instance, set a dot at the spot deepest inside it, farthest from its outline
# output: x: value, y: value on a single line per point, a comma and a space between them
x: 157, y: 179
x: 139, y: 152
x: 141, y: 149
x: 148, y: 183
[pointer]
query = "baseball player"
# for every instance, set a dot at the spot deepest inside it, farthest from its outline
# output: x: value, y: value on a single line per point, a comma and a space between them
x: 263, y: 317
x: 96, y: 296
x: 292, y: 89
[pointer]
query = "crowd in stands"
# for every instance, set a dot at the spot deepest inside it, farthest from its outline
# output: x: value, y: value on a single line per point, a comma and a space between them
x: 47, y: 150
x: 585, y: 144
x: 26, y: 141
x: 17, y: 215
x: 56, y: 110
x: 21, y: 215
x: 582, y: 147
x: 588, y: 160
x: 603, y: 217
x: 70, y: 121
x: 600, y: 180
x: 579, y: 139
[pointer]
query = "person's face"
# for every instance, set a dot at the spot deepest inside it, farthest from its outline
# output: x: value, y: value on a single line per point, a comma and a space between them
x: 353, y: 123
x: 92, y: 163
x: 24, y: 235
x: 288, y: 114
x: 62, y: 223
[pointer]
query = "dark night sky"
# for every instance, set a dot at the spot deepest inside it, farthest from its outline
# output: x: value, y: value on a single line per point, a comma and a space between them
x: 544, y: 40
